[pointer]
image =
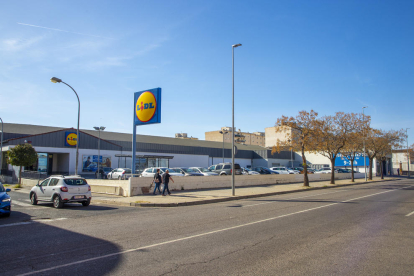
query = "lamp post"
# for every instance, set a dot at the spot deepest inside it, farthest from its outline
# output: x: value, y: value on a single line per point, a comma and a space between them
x: 408, y: 156
x: 56, y: 80
x: 232, y: 124
x: 363, y: 133
x: 1, y: 147
x: 99, y: 148
x: 224, y: 133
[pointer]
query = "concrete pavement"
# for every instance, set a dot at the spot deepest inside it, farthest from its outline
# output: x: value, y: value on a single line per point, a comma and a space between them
x: 198, y: 197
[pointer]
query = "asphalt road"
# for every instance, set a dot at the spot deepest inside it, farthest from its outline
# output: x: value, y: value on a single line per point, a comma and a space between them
x: 359, y: 230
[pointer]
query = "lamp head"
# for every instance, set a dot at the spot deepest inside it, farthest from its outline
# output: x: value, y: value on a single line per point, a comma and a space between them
x: 96, y: 128
x: 364, y: 107
x: 55, y: 80
x: 102, y: 128
x: 236, y: 45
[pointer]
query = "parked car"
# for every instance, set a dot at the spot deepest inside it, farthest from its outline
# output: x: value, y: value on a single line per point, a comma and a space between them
x: 188, y: 171
x: 284, y: 170
x: 204, y: 171
x: 302, y: 171
x: 5, y: 201
x: 61, y: 189
x: 150, y: 172
x: 264, y: 170
x: 119, y: 173
x: 341, y: 170
x: 324, y: 170
x: 225, y: 169
x: 247, y: 171
x: 103, y: 172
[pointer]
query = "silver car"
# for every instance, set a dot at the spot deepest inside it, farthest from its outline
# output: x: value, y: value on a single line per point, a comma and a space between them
x: 204, y: 171
x: 62, y: 189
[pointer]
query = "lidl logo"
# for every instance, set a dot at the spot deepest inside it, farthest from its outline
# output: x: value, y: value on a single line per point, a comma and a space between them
x: 71, y: 139
x: 146, y: 106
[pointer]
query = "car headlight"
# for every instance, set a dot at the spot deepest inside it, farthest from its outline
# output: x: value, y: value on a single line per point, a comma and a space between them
x: 6, y: 200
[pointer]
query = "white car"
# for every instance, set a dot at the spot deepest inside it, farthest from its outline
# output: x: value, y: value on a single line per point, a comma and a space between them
x: 324, y: 170
x: 119, y: 173
x: 246, y: 171
x: 150, y: 172
x: 204, y: 171
x: 280, y: 170
x: 61, y: 189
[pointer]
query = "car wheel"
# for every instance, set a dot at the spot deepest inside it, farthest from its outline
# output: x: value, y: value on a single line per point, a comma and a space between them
x: 119, y: 177
x: 223, y: 174
x: 33, y: 199
x: 86, y: 203
x: 57, y: 202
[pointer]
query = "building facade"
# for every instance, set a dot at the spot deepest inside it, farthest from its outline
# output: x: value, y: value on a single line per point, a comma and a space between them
x: 246, y: 138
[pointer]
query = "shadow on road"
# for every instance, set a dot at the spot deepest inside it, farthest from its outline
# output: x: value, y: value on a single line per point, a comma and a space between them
x: 38, y: 247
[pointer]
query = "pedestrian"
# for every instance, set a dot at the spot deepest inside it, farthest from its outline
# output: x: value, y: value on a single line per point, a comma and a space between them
x: 157, y: 180
x: 165, y: 179
x: 398, y: 171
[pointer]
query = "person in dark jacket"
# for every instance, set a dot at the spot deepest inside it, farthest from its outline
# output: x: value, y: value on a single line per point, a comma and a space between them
x: 166, y: 179
x: 157, y: 180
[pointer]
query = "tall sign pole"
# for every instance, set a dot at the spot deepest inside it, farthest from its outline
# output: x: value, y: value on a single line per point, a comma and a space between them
x: 147, y: 110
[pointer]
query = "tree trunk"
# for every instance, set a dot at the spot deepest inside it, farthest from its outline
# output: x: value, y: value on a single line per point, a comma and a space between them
x: 352, y: 171
x: 20, y: 175
x: 370, y: 168
x: 382, y: 171
x: 333, y: 171
x: 305, y: 169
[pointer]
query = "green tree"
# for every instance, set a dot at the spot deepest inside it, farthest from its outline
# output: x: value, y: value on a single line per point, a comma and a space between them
x: 22, y: 155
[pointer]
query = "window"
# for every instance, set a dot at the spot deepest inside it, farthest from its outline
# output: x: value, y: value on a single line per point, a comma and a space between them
x: 227, y: 167
x: 53, y: 182
x: 44, y: 183
x: 218, y: 167
x: 69, y: 181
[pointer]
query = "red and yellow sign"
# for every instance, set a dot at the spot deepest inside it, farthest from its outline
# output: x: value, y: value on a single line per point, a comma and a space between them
x: 71, y: 139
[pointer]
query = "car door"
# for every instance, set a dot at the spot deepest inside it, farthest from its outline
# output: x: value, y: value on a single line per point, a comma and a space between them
x: 41, y: 189
x: 50, y: 188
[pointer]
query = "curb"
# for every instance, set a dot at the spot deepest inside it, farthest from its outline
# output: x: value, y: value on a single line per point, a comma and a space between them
x: 202, y: 202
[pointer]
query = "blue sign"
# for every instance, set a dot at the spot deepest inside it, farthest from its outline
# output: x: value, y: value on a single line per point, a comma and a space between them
x: 342, y: 161
x: 71, y: 139
x: 147, y: 107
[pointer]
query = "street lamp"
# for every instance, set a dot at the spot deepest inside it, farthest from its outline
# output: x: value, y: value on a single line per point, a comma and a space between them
x: 224, y: 133
x: 408, y: 156
x: 232, y: 124
x: 56, y: 80
x: 99, y: 147
x: 363, y: 134
x: 1, y: 147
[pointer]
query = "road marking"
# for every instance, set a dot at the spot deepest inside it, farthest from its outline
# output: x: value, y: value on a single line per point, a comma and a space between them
x: 409, y: 214
x: 31, y: 222
x: 21, y: 203
x: 293, y: 198
x: 198, y: 235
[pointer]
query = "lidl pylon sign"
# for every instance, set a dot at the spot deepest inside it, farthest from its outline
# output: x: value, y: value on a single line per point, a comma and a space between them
x: 147, y: 107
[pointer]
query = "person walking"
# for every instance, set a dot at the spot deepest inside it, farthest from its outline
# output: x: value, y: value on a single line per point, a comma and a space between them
x: 166, y: 179
x: 157, y: 180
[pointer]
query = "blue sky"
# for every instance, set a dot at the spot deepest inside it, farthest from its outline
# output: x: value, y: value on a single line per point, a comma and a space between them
x: 297, y: 55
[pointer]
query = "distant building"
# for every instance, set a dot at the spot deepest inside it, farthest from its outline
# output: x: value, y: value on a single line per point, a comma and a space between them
x: 184, y: 136
x: 282, y: 135
x: 247, y: 138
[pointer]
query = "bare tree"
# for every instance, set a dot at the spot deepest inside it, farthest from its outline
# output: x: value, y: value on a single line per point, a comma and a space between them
x: 332, y: 133
x: 299, y: 138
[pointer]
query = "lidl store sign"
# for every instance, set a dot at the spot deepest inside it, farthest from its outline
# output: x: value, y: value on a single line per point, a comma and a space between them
x: 147, y: 107
x: 71, y: 139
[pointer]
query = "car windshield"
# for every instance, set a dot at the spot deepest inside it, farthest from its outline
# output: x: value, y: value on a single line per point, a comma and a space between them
x: 192, y: 170
x: 75, y: 181
x: 174, y: 170
x: 2, y: 189
x: 107, y: 169
x: 204, y: 170
x: 185, y: 169
x: 163, y: 169
x: 248, y: 170
x: 127, y: 170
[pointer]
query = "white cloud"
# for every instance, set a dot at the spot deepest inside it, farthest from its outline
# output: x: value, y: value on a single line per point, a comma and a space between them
x: 16, y: 44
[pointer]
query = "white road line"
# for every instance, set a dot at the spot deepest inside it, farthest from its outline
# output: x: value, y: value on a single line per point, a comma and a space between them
x: 31, y: 222
x: 21, y: 203
x: 292, y: 198
x: 198, y: 235
x: 410, y: 214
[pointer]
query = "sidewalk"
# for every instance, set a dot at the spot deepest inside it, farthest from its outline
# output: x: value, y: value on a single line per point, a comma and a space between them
x: 198, y: 197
